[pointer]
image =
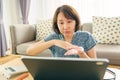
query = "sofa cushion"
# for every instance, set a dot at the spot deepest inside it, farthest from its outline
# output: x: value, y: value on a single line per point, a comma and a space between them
x: 87, y: 27
x: 111, y: 52
x: 107, y: 30
x: 20, y: 37
x: 21, y: 49
x: 43, y: 28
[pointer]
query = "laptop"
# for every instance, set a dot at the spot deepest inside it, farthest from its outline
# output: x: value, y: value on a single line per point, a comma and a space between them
x: 52, y: 68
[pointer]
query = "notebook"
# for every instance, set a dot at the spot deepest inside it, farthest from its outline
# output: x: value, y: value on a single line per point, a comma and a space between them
x: 51, y: 68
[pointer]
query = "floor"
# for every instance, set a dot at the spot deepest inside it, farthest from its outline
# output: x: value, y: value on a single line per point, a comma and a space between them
x: 8, y: 58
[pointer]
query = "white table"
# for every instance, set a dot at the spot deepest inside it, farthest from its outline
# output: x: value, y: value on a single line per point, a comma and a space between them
x: 116, y: 71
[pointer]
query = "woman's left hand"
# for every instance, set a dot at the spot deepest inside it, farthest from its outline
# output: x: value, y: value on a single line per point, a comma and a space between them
x: 74, y: 50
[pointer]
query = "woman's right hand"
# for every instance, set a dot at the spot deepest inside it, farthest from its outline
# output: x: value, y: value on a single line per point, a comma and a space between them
x: 62, y: 44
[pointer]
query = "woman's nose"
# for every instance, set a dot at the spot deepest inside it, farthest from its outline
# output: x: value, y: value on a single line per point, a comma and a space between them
x: 65, y: 26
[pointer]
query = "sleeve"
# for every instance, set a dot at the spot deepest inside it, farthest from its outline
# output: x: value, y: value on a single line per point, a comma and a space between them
x: 91, y: 42
x: 49, y: 37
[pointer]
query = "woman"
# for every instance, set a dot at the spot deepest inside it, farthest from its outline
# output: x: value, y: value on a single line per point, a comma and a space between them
x: 68, y: 40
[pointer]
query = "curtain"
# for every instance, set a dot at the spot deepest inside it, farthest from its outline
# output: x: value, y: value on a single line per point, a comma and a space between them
x: 24, y: 5
x: 3, y: 43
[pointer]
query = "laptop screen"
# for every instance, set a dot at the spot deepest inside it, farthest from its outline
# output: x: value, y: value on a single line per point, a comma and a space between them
x: 46, y: 68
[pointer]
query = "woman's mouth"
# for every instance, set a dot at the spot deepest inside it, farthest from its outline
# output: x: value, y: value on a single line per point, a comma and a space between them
x: 66, y: 32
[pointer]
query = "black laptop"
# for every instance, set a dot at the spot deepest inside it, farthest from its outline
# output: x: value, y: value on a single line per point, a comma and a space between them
x: 51, y: 68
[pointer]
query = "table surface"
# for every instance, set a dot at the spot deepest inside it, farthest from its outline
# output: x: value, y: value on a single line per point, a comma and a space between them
x: 17, y: 62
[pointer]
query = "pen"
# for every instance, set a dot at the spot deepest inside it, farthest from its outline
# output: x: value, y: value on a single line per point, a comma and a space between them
x: 23, y: 76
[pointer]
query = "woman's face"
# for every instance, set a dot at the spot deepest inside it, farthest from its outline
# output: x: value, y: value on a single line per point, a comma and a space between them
x: 66, y: 26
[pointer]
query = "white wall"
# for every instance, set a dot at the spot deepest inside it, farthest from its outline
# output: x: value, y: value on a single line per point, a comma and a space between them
x: 42, y: 9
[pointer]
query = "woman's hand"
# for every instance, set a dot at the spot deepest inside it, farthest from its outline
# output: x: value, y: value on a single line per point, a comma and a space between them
x: 62, y: 44
x: 71, y: 49
x: 74, y: 50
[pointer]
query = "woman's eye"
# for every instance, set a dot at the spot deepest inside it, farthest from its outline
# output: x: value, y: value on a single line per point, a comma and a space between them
x: 61, y: 23
x: 69, y: 21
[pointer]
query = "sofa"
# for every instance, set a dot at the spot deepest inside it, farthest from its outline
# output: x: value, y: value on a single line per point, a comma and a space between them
x: 24, y: 35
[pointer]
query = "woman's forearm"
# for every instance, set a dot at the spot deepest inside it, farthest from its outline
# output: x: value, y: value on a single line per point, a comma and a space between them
x: 83, y: 55
x: 39, y: 47
x: 42, y: 45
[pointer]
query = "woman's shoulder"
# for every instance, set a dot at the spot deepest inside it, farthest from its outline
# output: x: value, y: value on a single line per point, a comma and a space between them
x: 51, y: 36
x: 54, y: 35
x: 83, y: 33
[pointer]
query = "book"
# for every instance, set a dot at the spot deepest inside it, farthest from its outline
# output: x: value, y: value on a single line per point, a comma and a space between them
x: 9, y: 71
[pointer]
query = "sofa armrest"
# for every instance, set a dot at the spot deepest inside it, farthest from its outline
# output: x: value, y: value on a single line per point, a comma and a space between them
x: 21, y: 33
x: 87, y: 27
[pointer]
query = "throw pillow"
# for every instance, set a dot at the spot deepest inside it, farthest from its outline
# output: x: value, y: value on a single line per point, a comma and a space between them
x: 43, y: 28
x: 107, y: 30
